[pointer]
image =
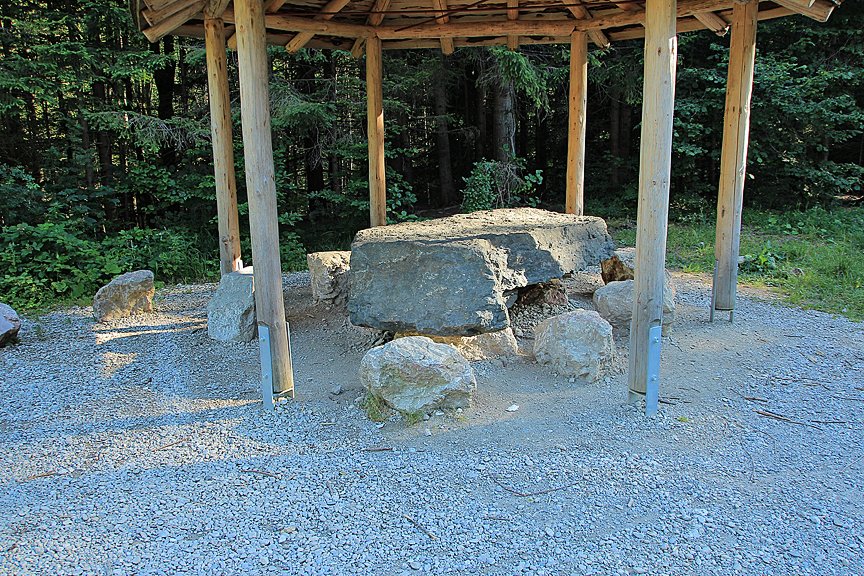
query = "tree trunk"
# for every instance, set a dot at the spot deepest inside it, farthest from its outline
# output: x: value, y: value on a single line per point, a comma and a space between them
x: 504, y: 127
x: 615, y: 138
x: 165, y: 85
x: 442, y: 135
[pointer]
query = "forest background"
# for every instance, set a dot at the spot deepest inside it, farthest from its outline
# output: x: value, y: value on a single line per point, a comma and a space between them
x: 106, y: 166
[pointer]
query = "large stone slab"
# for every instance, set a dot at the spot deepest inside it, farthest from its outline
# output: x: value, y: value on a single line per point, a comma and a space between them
x: 126, y: 295
x: 414, y: 374
x: 10, y: 324
x: 231, y: 311
x: 448, y: 276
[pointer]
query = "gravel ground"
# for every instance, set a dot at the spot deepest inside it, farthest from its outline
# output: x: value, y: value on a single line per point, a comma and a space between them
x: 140, y: 447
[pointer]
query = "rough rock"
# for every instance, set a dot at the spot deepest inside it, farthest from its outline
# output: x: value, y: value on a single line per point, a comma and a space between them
x: 621, y: 266
x: 577, y: 344
x: 126, y: 295
x: 449, y: 276
x: 552, y: 292
x: 414, y: 374
x: 329, y: 275
x: 10, y: 324
x: 614, y: 302
x: 231, y: 311
x: 481, y: 347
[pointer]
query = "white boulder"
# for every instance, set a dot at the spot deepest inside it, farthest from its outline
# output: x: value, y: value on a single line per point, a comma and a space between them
x: 614, y: 302
x: 577, y: 344
x: 231, y: 311
x: 10, y: 324
x: 328, y: 272
x: 126, y: 295
x: 414, y: 374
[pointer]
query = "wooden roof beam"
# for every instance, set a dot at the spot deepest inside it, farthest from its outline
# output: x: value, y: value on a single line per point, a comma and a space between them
x: 215, y: 8
x: 513, y: 15
x: 691, y: 24
x: 327, y: 12
x: 441, y: 17
x: 820, y: 10
x: 581, y: 13
x: 270, y: 6
x: 374, y: 19
x: 713, y: 22
x: 153, y: 17
x: 174, y: 21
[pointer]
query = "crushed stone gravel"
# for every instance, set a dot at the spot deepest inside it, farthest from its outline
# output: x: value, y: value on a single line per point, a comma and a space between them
x: 140, y: 447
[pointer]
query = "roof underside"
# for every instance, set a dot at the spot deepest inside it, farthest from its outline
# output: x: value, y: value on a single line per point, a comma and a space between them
x: 449, y: 24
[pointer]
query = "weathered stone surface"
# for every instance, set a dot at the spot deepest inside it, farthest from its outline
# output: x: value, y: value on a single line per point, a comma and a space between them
x: 231, y: 311
x: 614, y: 302
x: 10, y: 324
x: 414, y: 374
x: 621, y: 266
x: 481, y: 347
x: 329, y: 275
x: 449, y: 276
x: 128, y: 294
x: 577, y: 343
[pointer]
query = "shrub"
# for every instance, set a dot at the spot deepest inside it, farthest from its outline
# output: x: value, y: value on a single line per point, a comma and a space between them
x: 500, y: 184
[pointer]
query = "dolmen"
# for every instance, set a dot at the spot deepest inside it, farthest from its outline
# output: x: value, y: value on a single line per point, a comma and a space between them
x: 454, y: 276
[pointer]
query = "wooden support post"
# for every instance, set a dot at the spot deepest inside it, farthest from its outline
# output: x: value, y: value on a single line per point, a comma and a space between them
x: 733, y: 157
x: 223, y: 147
x: 574, y: 203
x: 261, y: 186
x: 655, y: 161
x: 375, y: 129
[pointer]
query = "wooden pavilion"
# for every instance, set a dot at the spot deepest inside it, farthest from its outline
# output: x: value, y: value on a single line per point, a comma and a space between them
x: 370, y: 26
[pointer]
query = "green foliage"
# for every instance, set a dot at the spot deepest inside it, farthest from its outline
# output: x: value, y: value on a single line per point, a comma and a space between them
x: 814, y: 257
x: 499, y: 184
x: 46, y: 263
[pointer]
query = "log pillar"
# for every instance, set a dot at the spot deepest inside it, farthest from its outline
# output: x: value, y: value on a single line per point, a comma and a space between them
x: 223, y: 146
x: 655, y: 161
x: 733, y: 157
x: 261, y: 186
x: 375, y: 133
x: 574, y: 203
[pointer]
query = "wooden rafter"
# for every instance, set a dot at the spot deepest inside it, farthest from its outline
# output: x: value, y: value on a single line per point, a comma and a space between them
x: 581, y: 13
x: 820, y: 10
x: 713, y: 22
x: 302, y: 38
x: 215, y: 8
x: 375, y: 19
x: 153, y: 17
x: 442, y: 18
x: 170, y: 23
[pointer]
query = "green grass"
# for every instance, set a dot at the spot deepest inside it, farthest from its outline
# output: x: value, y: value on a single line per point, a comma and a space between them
x: 815, y: 259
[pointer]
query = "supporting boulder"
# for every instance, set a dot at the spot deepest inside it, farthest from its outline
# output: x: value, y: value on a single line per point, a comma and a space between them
x: 415, y: 374
x: 231, y: 311
x: 577, y: 343
x: 614, y: 302
x: 126, y: 295
x: 487, y: 346
x: 10, y: 324
x: 328, y: 273
x: 449, y: 276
